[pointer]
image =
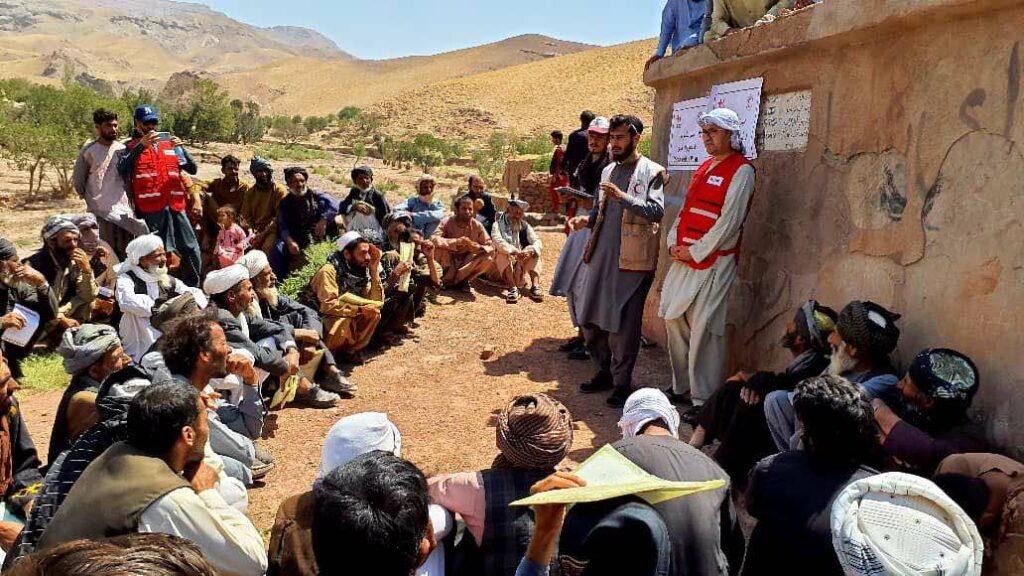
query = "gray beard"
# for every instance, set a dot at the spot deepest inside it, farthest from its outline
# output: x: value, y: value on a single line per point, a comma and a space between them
x: 841, y: 362
x: 163, y: 277
x: 270, y: 295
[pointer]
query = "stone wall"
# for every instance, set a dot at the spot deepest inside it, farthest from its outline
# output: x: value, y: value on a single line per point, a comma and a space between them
x: 534, y: 189
x: 910, y: 191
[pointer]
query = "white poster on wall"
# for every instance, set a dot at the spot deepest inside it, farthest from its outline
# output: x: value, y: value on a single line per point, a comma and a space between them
x: 685, y: 148
x: 744, y: 98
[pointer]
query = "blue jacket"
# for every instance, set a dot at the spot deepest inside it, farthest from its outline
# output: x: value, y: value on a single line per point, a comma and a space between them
x: 682, y: 24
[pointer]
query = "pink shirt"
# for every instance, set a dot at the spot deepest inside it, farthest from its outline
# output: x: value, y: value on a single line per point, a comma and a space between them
x: 230, y: 245
x: 462, y: 493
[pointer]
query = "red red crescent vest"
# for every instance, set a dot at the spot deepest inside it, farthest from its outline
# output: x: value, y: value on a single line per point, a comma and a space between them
x: 156, y: 183
x: 704, y: 200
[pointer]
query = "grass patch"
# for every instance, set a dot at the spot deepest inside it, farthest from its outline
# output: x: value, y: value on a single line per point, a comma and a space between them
x: 291, y: 152
x: 316, y: 257
x: 44, y: 372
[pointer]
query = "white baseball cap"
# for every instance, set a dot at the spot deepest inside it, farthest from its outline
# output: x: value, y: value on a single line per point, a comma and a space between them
x: 599, y: 125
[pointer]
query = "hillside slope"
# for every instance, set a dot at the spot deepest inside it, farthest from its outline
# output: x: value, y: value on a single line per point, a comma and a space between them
x: 307, y: 86
x: 528, y: 98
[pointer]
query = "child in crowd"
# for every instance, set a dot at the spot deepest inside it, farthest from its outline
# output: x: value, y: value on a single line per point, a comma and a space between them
x: 231, y: 240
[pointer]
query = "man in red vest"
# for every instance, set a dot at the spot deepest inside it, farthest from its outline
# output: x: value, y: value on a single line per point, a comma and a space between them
x: 151, y: 167
x: 704, y: 243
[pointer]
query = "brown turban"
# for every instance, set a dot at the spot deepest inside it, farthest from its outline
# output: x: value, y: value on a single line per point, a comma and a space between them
x: 534, y: 432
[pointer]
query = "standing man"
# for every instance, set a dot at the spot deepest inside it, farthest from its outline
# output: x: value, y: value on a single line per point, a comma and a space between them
x: 559, y: 175
x: 97, y: 181
x: 260, y: 204
x: 682, y: 26
x: 704, y: 243
x: 426, y: 212
x: 576, y: 148
x: 151, y: 167
x: 620, y: 259
x: 303, y: 217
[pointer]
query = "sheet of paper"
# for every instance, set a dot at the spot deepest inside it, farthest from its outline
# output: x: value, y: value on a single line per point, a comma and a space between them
x: 21, y: 337
x: 611, y: 475
x: 743, y: 98
x: 685, y: 148
x: 406, y: 251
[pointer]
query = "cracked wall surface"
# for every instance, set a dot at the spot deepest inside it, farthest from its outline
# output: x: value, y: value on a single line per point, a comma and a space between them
x: 910, y: 191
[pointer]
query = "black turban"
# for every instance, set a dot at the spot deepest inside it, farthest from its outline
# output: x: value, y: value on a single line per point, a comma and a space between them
x: 259, y: 163
x: 289, y: 172
x: 361, y: 170
x: 945, y: 375
x: 869, y: 327
x: 8, y: 251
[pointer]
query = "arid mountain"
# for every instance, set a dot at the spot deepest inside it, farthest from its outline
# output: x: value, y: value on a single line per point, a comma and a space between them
x: 306, y: 86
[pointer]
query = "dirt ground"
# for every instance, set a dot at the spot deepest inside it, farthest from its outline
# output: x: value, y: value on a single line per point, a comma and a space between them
x: 439, y: 392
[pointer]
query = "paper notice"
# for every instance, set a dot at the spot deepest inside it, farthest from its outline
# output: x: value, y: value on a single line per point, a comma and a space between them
x: 22, y: 337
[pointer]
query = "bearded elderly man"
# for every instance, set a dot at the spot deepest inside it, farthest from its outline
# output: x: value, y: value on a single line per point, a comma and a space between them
x: 365, y: 208
x: 349, y: 294
x: 518, y: 252
x: 21, y: 286
x: 260, y: 204
x: 317, y: 362
x: 144, y: 284
x: 68, y: 270
x: 463, y: 248
x: 271, y: 343
x: 704, y: 243
x: 865, y: 335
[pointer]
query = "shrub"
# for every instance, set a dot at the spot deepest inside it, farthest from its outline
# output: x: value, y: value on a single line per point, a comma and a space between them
x: 291, y: 152
x: 43, y: 372
x: 316, y: 257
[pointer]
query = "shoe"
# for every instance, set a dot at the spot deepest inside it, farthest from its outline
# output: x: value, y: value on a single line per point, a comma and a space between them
x: 572, y: 344
x: 264, y: 455
x: 338, y: 384
x: 535, y: 294
x: 466, y: 288
x: 580, y: 353
x: 618, y: 398
x: 677, y: 399
x: 318, y: 398
x: 599, y: 383
x: 260, y: 469
x: 512, y: 295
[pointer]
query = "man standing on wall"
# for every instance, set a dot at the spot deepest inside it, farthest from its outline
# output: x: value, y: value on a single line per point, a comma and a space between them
x: 704, y: 243
x: 621, y: 257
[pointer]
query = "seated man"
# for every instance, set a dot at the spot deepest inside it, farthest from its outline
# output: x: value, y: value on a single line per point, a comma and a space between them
x: 260, y: 204
x: 143, y: 285
x: 937, y: 391
x: 482, y: 201
x: 291, y: 540
x: 517, y: 253
x: 365, y: 208
x: 426, y: 212
x: 728, y: 16
x: 157, y: 481
x: 19, y: 462
x: 91, y: 352
x: 990, y: 488
x: 271, y: 343
x: 304, y: 216
x: 705, y: 522
x: 371, y: 517
x: 534, y: 434
x: 228, y: 190
x: 463, y: 248
x: 424, y: 273
x: 21, y: 285
x: 865, y: 335
x: 734, y: 414
x: 66, y: 267
x: 161, y: 554
x: 348, y: 293
x: 790, y: 493
x: 317, y: 362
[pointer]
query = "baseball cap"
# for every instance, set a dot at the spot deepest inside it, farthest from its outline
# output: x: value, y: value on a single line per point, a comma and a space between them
x: 599, y: 125
x: 146, y: 113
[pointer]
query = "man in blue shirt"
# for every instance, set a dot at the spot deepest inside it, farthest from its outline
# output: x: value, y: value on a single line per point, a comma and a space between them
x: 682, y: 26
x: 426, y: 212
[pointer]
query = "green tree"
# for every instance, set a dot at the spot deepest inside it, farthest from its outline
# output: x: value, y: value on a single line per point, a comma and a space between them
x: 207, y: 115
x: 290, y: 131
x: 348, y: 113
x: 315, y: 123
x: 249, y: 125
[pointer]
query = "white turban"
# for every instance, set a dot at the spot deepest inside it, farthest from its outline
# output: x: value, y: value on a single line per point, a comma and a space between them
x: 255, y: 261
x: 348, y: 238
x: 141, y: 247
x: 901, y: 525
x: 644, y: 406
x: 358, y: 434
x: 225, y: 279
x: 725, y: 119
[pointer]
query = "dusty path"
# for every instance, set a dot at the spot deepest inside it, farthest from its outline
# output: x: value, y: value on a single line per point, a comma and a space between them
x: 439, y: 392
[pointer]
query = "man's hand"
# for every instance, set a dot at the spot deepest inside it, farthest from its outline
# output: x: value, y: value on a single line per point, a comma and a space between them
x: 173, y: 261
x: 200, y: 476
x: 292, y: 359
x: 578, y: 223
x: 651, y: 60
x: 293, y: 246
x: 749, y: 396
x: 367, y: 311
x: 320, y: 228
x: 80, y: 258
x: 102, y: 307
x: 149, y: 138
x: 884, y: 416
x: 242, y: 367
x: 12, y: 321
x: 398, y: 271
x: 66, y: 323
x: 375, y: 256
x: 362, y: 208
x: 613, y: 191
x: 427, y: 248
x: 28, y: 275
x: 548, y: 518
x: 9, y: 532
x: 102, y: 252
x: 306, y: 335
x: 680, y: 253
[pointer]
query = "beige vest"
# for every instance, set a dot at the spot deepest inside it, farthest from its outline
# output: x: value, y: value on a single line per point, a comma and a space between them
x: 640, y: 239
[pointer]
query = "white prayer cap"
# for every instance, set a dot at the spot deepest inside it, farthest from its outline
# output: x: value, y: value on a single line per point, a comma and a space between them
x: 255, y: 261
x: 348, y: 238
x: 358, y: 434
x: 901, y: 525
x: 141, y: 247
x: 644, y: 406
x: 725, y: 119
x: 225, y: 279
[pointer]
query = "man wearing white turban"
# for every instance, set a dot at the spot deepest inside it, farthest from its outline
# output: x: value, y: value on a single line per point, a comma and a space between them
x: 705, y: 522
x: 144, y: 284
x: 704, y: 243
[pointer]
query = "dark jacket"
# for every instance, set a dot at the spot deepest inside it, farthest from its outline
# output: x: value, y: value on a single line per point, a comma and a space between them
x: 381, y: 207
x: 42, y: 301
x: 488, y: 211
x: 25, y: 458
x: 266, y: 359
x: 587, y: 175
x: 59, y: 441
x: 298, y: 215
x: 293, y: 314
x: 575, y: 151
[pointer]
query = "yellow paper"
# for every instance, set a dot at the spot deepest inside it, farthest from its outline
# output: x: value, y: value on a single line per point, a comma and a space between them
x: 406, y: 251
x: 611, y: 475
x: 350, y: 298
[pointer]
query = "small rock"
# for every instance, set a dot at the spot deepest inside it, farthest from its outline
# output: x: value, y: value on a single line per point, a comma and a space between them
x: 487, y: 353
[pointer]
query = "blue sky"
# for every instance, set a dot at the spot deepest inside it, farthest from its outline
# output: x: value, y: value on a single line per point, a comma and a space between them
x: 376, y: 29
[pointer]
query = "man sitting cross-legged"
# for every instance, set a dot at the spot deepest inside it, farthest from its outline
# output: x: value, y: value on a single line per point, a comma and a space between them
x: 348, y: 292
x: 463, y: 247
x: 316, y: 361
x: 517, y: 254
x: 157, y: 481
x: 270, y: 343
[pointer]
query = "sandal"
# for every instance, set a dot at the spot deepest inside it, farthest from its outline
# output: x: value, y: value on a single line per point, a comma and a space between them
x: 512, y: 295
x: 536, y: 295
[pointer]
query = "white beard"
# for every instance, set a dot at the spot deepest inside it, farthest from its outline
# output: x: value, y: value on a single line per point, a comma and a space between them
x: 162, y: 275
x: 841, y: 362
x: 270, y: 295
